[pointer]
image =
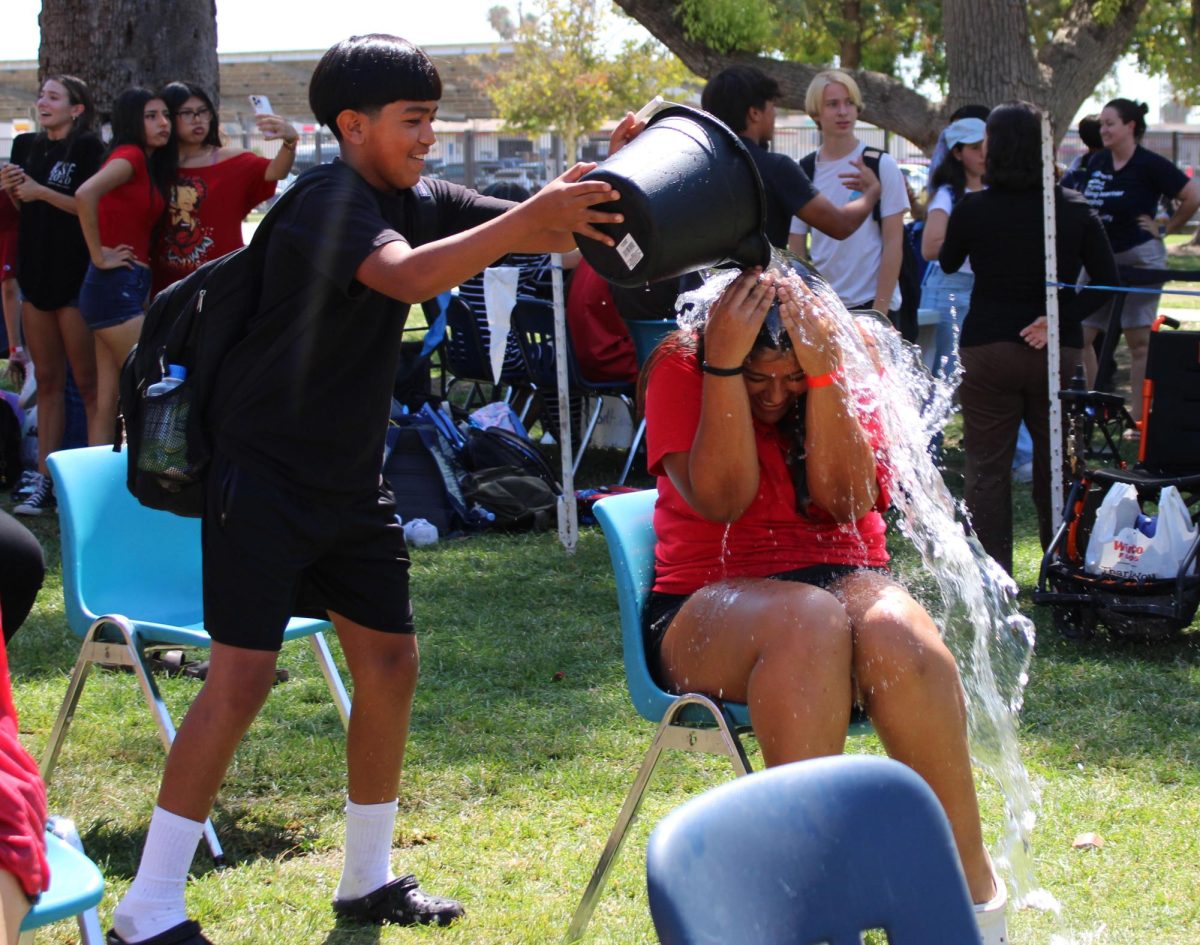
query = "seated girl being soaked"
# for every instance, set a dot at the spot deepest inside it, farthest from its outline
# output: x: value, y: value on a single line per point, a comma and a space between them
x: 771, y: 581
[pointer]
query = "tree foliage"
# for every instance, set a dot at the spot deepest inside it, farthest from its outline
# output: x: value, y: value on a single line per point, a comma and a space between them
x: 561, y: 78
x: 1052, y: 52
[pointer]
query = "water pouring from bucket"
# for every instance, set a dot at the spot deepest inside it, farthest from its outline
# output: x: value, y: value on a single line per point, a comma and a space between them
x: 691, y: 198
x: 970, y: 597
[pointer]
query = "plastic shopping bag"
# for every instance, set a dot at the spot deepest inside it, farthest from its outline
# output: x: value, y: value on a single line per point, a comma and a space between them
x: 1125, y: 543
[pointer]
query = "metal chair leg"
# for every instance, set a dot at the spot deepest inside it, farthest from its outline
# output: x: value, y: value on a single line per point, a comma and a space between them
x: 719, y: 741
x: 66, y: 712
x: 587, y: 434
x: 633, y: 448
x: 128, y: 654
x: 332, y: 677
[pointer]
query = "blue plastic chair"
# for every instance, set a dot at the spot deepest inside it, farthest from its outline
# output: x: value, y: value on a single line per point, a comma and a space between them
x: 646, y: 336
x: 132, y: 584
x: 75, y: 890
x: 689, y: 722
x: 812, y: 852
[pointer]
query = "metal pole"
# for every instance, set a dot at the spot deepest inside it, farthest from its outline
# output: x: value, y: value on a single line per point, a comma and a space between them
x: 568, y: 519
x: 1052, y: 333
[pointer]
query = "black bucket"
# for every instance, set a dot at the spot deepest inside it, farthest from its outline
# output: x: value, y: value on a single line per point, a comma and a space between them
x: 691, y: 197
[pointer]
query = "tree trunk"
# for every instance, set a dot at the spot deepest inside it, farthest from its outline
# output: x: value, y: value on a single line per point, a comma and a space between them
x: 989, y: 58
x: 115, y: 44
x: 851, y: 46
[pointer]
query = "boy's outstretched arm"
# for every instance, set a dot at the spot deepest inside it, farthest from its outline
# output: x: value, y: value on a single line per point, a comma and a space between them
x: 546, y: 222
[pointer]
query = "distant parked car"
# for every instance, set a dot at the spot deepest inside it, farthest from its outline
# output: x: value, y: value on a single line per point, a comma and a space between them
x: 917, y: 176
x: 517, y: 175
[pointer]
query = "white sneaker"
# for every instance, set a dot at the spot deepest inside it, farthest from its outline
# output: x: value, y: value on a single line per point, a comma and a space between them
x: 992, y: 916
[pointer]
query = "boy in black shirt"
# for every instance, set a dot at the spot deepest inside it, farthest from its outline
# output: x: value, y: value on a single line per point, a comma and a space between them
x: 296, y: 520
x: 744, y: 98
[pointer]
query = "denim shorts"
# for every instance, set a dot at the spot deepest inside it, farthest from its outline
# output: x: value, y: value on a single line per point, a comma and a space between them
x: 111, y: 296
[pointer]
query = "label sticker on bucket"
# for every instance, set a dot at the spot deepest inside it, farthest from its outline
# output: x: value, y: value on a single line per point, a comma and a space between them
x: 630, y: 251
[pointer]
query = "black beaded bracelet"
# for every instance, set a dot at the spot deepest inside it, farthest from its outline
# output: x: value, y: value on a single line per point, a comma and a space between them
x: 721, y: 371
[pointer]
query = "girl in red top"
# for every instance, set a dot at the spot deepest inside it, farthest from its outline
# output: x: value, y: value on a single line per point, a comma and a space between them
x: 770, y: 583
x: 119, y: 208
x: 215, y: 186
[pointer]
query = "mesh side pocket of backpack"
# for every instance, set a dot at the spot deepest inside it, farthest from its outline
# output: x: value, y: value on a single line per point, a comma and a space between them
x: 163, y: 451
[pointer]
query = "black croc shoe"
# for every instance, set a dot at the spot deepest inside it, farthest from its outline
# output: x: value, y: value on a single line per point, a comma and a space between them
x: 185, y: 933
x: 399, y: 902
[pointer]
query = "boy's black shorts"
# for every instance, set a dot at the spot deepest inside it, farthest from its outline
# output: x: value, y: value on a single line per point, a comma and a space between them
x: 271, y: 553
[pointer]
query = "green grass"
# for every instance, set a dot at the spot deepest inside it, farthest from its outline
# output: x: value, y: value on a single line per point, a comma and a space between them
x: 1176, y: 261
x: 523, y: 743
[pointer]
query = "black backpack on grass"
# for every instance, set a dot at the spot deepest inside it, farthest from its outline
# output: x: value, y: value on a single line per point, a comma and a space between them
x: 905, y: 320
x: 517, y: 500
x: 496, y: 447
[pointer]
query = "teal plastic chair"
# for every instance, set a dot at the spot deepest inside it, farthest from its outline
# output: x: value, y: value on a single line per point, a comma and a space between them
x: 646, y: 336
x: 75, y: 890
x: 690, y: 722
x: 812, y: 852
x: 132, y: 585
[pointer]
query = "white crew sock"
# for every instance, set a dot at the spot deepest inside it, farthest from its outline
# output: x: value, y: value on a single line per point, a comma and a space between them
x: 368, y: 858
x: 154, y: 902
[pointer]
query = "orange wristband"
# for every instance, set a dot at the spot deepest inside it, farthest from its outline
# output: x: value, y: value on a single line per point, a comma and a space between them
x: 824, y: 380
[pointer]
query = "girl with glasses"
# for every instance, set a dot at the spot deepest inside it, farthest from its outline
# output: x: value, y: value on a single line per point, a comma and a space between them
x: 215, y: 185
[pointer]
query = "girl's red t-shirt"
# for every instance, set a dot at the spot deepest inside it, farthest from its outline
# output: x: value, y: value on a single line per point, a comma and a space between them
x: 770, y: 537
x: 129, y: 213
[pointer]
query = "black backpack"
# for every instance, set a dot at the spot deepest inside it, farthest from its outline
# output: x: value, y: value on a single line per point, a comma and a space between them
x: 496, y: 447
x: 517, y: 500
x: 905, y: 319
x: 195, y: 323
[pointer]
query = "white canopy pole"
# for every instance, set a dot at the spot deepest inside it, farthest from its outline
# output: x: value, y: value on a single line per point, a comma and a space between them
x: 1052, y: 332
x: 568, y: 516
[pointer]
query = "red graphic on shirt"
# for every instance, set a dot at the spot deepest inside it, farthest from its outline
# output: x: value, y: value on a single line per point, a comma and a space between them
x: 186, y: 239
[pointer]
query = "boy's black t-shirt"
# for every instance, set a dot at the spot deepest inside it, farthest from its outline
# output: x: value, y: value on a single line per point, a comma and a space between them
x: 52, y: 257
x: 787, y: 189
x: 306, y: 395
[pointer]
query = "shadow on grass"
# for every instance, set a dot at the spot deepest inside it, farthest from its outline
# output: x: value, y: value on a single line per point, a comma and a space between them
x: 346, y: 932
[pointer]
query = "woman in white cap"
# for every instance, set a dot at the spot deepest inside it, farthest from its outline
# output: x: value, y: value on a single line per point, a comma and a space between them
x: 943, y: 293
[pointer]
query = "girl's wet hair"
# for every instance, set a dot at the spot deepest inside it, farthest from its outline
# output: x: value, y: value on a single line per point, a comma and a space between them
x: 689, y: 342
x: 176, y: 93
x: 365, y: 73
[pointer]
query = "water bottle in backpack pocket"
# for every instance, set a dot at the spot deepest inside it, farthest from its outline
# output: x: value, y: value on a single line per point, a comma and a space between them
x: 165, y: 412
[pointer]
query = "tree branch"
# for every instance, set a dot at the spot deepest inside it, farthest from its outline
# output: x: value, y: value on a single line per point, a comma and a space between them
x: 889, y: 103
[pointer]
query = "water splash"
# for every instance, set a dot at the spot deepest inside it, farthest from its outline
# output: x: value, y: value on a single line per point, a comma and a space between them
x: 972, y: 599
